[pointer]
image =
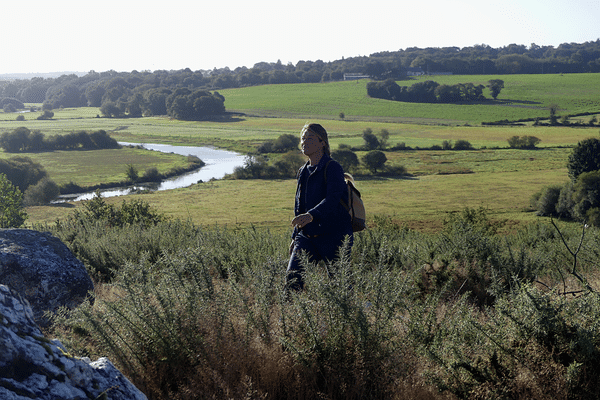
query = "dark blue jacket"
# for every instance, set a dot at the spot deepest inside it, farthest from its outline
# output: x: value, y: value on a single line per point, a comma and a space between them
x: 321, y: 198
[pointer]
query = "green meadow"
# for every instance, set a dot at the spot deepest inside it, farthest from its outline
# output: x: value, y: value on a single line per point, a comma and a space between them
x: 524, y: 96
x: 492, y: 176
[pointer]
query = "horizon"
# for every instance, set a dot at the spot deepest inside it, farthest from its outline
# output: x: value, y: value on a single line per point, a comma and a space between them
x: 51, y: 74
x: 147, y: 36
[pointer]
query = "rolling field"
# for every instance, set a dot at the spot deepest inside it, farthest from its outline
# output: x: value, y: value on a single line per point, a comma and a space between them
x: 524, y: 96
x: 492, y: 176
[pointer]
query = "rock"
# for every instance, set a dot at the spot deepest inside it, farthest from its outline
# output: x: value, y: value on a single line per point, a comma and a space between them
x: 43, y: 270
x: 33, y: 367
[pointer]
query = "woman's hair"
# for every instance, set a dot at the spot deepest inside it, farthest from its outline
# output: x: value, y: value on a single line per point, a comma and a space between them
x: 321, y: 133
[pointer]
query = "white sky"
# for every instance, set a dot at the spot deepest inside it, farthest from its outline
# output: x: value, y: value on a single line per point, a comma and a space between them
x: 57, y: 35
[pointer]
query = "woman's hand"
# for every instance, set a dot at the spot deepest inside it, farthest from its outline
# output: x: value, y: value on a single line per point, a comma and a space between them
x: 302, y: 220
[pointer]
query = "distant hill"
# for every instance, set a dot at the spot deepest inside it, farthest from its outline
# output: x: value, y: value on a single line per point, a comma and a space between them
x: 10, y: 77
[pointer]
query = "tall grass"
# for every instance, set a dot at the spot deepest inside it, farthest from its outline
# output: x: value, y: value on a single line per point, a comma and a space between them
x: 465, y: 313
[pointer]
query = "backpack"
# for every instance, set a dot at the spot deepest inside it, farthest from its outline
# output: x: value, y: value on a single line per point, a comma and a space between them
x: 355, y: 205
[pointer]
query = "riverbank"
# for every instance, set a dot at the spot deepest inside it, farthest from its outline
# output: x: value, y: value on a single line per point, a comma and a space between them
x: 205, y: 163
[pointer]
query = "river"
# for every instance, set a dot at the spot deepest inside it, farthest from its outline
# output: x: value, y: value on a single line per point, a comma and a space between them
x: 218, y: 163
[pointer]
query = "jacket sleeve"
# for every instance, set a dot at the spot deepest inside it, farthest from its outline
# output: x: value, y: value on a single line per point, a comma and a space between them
x: 336, y: 188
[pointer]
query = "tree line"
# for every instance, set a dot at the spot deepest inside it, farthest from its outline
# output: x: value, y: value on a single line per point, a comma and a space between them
x: 139, y: 93
x: 432, y: 92
x: 21, y: 140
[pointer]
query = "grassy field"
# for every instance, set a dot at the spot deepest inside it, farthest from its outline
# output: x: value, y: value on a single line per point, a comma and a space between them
x: 89, y: 168
x: 524, y: 96
x: 491, y: 176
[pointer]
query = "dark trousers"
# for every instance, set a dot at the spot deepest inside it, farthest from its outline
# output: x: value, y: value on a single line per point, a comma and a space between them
x: 321, y: 248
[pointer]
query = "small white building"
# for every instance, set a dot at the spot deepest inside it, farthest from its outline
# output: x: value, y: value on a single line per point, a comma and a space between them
x: 355, y: 76
x: 418, y: 71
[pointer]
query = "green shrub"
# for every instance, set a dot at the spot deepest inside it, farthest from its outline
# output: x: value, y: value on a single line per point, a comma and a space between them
x: 151, y: 175
x: 547, y: 202
x: 584, y: 158
x: 374, y: 160
x: 523, y: 142
x: 347, y: 159
x: 529, y: 345
x: 564, y: 207
x: 42, y: 192
x: 462, y: 145
x: 191, y: 312
x: 12, y: 214
x: 284, y: 143
x: 586, y: 194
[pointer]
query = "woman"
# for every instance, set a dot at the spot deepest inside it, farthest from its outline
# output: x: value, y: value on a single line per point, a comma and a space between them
x: 321, y: 221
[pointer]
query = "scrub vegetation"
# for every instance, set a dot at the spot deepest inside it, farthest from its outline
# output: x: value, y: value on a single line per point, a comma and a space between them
x: 196, y: 312
x: 458, y: 289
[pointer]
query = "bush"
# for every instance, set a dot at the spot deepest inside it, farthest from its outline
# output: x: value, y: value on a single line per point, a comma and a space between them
x: 547, y: 202
x: 374, y: 160
x: 41, y: 193
x: 198, y: 312
x: 12, y: 214
x: 282, y: 144
x: 22, y: 171
x: 286, y: 142
x: 9, y: 108
x: 564, y: 207
x: 151, y: 175
x: 371, y: 141
x: 347, y: 159
x: 15, y: 104
x: 584, y: 158
x: 47, y: 114
x: 586, y: 195
x: 530, y: 333
x: 462, y: 145
x: 523, y: 142
x: 289, y: 164
x: 131, y: 173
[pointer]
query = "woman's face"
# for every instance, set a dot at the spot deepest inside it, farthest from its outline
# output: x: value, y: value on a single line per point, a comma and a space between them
x: 310, y: 143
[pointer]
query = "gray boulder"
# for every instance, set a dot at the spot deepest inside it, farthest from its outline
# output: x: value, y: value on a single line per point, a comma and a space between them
x: 43, y: 270
x: 33, y: 367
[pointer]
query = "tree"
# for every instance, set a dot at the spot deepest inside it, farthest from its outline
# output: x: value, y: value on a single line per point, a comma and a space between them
x: 374, y: 160
x: 197, y: 105
x: 495, y: 86
x: 12, y: 214
x: 286, y: 142
x: 42, y: 192
x: 47, y: 114
x: 110, y: 109
x: 553, y: 117
x: 132, y: 173
x: 22, y: 171
x: 584, y: 158
x: 16, y: 140
x: 371, y: 141
x: 347, y: 159
x: 586, y: 197
x: 462, y: 145
x: 523, y: 142
x: 384, y: 137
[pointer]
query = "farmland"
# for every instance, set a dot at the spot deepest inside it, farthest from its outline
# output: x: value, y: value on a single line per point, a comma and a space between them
x: 456, y: 290
x: 491, y: 176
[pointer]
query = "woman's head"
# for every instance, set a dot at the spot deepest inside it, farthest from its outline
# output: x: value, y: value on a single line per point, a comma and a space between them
x: 320, y: 133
